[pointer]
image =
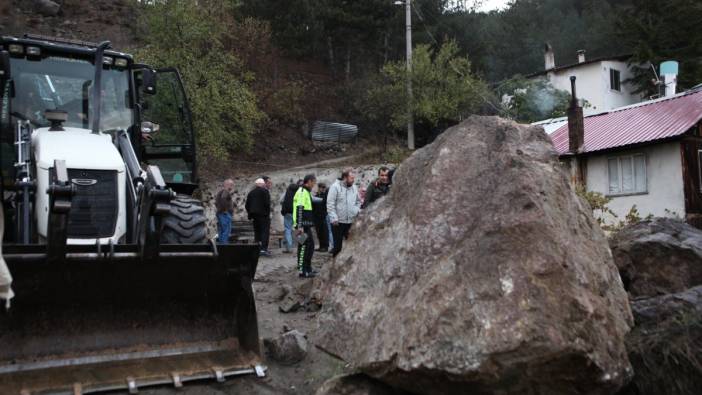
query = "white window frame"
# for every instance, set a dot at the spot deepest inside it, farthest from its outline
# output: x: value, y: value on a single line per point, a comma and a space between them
x: 630, y: 158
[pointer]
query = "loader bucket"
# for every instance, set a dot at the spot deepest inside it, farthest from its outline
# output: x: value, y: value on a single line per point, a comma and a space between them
x: 103, y: 319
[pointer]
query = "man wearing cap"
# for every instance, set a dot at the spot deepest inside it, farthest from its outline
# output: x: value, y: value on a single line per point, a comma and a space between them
x: 303, y: 221
x: 258, y: 208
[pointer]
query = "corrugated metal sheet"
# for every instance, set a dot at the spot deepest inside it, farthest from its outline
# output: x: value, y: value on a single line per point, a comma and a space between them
x: 639, y: 123
x: 332, y: 131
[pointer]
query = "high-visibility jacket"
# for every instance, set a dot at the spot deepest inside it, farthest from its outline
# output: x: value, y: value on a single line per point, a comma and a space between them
x: 302, y: 213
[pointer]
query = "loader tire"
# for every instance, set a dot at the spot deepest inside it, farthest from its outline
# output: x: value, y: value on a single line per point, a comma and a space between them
x: 186, y: 223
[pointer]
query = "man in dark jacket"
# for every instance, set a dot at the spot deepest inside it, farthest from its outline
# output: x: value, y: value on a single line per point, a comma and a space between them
x: 225, y: 209
x: 378, y: 188
x: 258, y: 208
x: 286, y: 210
x: 319, y: 208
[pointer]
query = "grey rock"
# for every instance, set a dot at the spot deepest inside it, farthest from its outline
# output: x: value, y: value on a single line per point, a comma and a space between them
x: 355, y: 384
x: 289, y: 304
x: 487, y: 275
x: 666, y: 344
x: 288, y: 348
x: 284, y: 291
x: 47, y: 7
x: 658, y: 257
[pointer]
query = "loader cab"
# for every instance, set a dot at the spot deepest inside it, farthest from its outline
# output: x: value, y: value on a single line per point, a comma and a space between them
x: 58, y: 75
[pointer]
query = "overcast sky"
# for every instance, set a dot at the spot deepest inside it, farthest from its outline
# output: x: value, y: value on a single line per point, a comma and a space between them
x: 489, y: 5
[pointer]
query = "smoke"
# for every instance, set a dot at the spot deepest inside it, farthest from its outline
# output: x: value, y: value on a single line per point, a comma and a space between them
x: 544, y: 99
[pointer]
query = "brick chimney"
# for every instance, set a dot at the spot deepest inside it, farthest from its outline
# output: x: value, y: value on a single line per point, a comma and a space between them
x: 576, y: 123
x: 549, y: 57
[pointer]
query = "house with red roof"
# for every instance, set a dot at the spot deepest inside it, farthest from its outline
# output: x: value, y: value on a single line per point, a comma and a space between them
x: 647, y: 155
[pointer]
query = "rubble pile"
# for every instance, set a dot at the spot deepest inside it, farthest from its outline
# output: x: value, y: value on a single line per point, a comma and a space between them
x: 660, y: 261
x: 665, y: 346
x: 481, y: 272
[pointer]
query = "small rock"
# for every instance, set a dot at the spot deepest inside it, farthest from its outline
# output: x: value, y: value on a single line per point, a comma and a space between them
x: 47, y: 7
x: 288, y: 348
x: 286, y: 328
x: 312, y: 307
x: 284, y: 291
x: 289, y: 305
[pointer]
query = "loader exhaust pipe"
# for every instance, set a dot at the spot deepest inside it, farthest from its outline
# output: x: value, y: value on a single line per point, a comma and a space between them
x: 97, y: 84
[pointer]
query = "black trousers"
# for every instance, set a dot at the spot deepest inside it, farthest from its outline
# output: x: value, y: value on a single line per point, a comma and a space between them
x: 339, y: 233
x: 322, y: 233
x: 262, y: 229
x: 305, y: 251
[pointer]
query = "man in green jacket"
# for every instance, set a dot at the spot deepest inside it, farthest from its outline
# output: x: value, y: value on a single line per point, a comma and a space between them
x: 303, y: 221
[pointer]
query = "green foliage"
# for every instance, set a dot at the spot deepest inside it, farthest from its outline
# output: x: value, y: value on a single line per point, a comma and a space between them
x: 604, y: 216
x: 396, y: 154
x: 598, y: 203
x: 191, y: 35
x: 284, y: 107
x: 657, y: 31
x: 444, y: 89
x: 532, y: 100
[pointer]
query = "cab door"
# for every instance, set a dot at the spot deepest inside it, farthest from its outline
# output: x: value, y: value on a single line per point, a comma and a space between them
x: 172, y: 147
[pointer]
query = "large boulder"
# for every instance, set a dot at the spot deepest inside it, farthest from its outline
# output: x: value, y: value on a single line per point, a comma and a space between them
x: 481, y: 272
x: 665, y: 347
x: 659, y: 256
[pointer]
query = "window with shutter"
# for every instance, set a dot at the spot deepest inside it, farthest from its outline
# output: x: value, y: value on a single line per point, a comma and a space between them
x: 627, y: 174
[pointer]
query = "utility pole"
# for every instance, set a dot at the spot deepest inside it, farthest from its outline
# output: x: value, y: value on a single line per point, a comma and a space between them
x: 408, y: 34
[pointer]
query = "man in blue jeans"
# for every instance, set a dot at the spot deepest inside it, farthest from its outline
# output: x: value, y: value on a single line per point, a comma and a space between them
x: 286, y: 210
x: 225, y: 209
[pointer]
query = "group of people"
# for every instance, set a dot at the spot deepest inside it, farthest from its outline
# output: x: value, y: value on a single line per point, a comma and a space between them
x: 258, y: 210
x: 307, y: 208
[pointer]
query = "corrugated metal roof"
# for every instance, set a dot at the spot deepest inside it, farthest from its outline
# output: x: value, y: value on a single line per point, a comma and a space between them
x: 639, y: 123
x: 333, y: 131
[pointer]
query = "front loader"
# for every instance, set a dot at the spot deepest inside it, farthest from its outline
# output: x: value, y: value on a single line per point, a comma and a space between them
x: 116, y: 284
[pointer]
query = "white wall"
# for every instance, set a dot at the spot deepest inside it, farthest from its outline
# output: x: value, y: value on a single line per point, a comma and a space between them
x: 665, y: 188
x: 592, y: 83
x: 614, y: 99
x: 588, y: 84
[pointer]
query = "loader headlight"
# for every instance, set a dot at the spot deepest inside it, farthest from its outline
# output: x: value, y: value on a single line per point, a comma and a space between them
x: 15, y: 49
x: 120, y: 62
x: 33, y: 51
x: 107, y: 60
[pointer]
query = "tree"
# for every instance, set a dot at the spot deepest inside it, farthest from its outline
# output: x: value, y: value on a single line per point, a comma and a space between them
x: 657, y: 31
x: 444, y: 88
x: 190, y: 35
x: 529, y: 100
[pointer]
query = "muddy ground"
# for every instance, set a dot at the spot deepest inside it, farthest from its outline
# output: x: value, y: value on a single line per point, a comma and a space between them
x: 302, y: 378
